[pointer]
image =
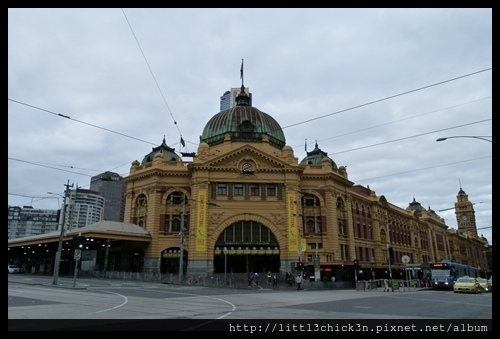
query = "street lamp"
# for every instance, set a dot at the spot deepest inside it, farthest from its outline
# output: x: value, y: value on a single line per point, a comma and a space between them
x: 482, y: 137
x: 225, y: 265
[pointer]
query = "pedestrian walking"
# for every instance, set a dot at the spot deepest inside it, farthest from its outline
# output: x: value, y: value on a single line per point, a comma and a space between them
x: 298, y: 280
x: 269, y: 277
x: 275, y: 281
x: 386, y: 281
x: 250, y: 279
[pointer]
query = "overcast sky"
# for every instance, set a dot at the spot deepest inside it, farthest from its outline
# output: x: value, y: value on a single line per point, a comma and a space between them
x: 373, y: 87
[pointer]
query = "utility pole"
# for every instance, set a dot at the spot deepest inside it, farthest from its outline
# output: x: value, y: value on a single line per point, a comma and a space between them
x: 225, y: 266
x: 390, y: 270
x: 299, y: 239
x: 106, y: 257
x: 57, y: 262
x: 181, y: 259
x: 297, y: 221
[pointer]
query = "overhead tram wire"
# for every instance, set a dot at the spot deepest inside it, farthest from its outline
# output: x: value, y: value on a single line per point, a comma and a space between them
x: 299, y: 123
x: 64, y: 170
x: 82, y: 122
x: 396, y: 121
x: 64, y: 166
x: 387, y: 98
x: 309, y: 120
x: 378, y: 144
x: 421, y: 169
x: 152, y: 74
x: 413, y: 136
x: 282, y: 128
x: 59, y: 169
x: 373, y: 145
x: 128, y: 136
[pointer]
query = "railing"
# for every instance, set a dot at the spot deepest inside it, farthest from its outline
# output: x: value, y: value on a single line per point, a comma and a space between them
x: 166, y: 278
x: 239, y: 280
x: 397, y: 285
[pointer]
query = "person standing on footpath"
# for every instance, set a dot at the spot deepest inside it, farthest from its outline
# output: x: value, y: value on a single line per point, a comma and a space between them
x: 275, y: 281
x: 269, y: 277
x: 386, y: 281
x: 298, y: 280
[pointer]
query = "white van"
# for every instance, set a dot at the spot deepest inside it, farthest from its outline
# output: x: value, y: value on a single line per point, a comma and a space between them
x: 13, y: 269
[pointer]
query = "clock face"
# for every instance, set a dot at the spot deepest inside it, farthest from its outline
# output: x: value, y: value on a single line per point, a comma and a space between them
x: 464, y: 218
x: 247, y: 167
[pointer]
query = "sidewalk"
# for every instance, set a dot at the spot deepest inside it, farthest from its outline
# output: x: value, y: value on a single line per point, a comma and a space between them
x: 45, y: 280
x: 84, y: 282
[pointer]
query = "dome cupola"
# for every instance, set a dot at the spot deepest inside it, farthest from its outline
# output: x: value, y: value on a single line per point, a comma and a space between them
x: 317, y: 157
x: 243, y: 123
x: 168, y: 153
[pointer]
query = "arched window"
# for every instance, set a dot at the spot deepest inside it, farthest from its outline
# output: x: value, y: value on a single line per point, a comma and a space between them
x: 141, y: 201
x: 171, y: 218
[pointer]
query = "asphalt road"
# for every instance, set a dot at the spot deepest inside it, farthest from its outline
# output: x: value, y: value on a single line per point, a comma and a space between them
x: 35, y: 298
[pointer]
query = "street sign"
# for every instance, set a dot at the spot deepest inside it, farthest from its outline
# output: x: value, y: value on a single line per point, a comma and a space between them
x: 78, y: 254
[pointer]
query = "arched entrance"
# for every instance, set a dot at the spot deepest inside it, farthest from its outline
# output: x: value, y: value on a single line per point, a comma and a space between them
x: 170, y: 260
x: 246, y: 246
x: 137, y: 260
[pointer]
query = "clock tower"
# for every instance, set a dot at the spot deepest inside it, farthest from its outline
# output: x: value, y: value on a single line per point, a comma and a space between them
x: 464, y: 211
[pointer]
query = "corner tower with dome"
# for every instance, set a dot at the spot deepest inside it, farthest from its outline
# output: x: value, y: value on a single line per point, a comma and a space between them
x: 246, y: 203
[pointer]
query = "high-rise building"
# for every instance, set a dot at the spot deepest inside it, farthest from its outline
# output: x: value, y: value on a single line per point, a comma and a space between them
x: 27, y: 221
x: 111, y: 186
x: 228, y: 99
x: 84, y: 207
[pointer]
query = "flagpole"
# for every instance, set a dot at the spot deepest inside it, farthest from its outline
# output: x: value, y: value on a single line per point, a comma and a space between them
x: 241, y: 73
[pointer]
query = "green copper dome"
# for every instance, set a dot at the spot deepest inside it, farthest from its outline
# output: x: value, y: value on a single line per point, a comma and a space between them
x: 168, y: 153
x: 316, y: 157
x: 243, y: 123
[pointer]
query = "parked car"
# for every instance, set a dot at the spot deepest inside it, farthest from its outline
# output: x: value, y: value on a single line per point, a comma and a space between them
x: 485, y: 284
x: 490, y: 280
x: 467, y: 284
x: 13, y: 269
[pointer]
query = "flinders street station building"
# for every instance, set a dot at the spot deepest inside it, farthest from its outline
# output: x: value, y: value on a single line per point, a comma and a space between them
x: 244, y: 202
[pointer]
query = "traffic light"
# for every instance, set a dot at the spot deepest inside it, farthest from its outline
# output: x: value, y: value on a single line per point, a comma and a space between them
x: 356, y: 263
x: 79, y: 242
x: 300, y: 266
x: 391, y: 255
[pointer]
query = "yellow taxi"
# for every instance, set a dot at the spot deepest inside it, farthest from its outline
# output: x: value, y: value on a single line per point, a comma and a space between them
x: 466, y: 284
x: 485, y: 284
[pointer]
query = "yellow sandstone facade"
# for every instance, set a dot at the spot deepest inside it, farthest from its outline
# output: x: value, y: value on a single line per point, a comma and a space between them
x: 246, y: 203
